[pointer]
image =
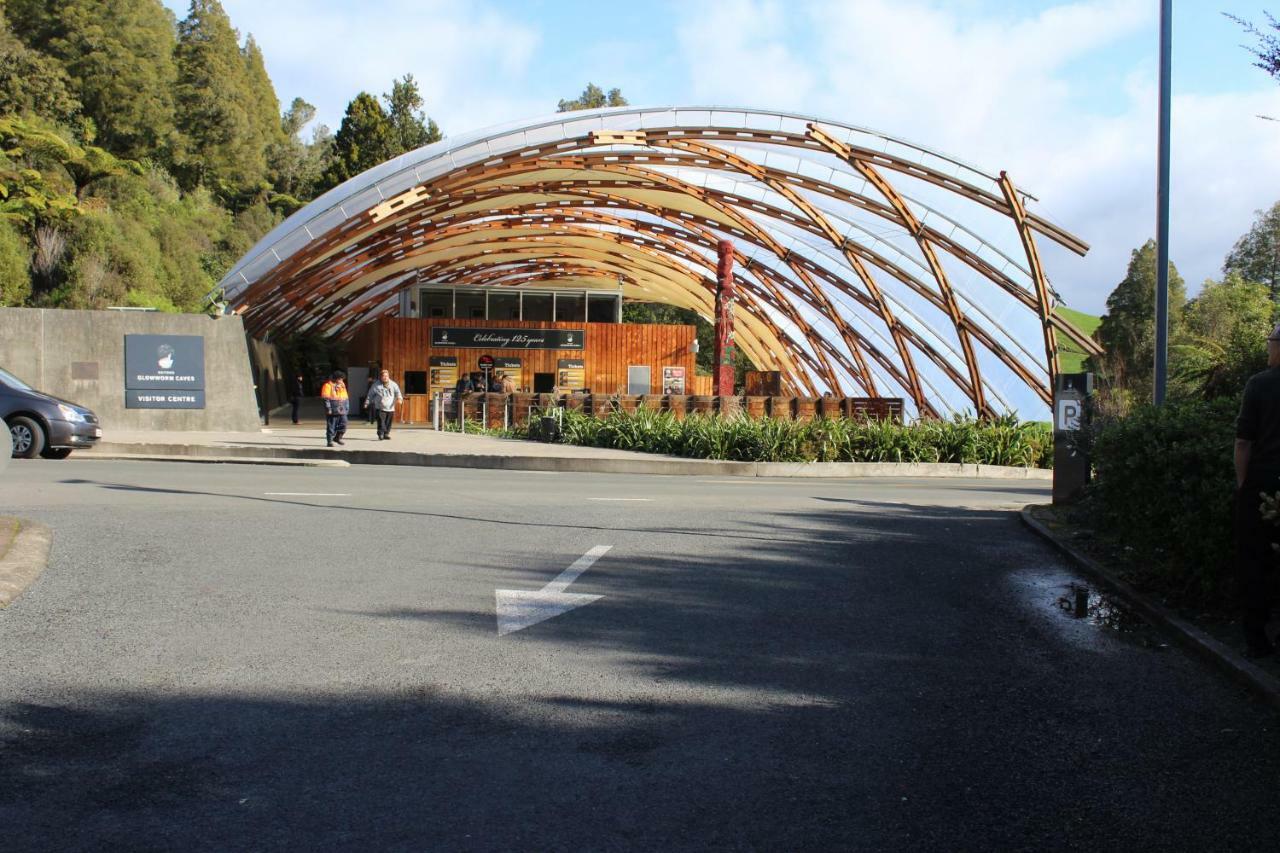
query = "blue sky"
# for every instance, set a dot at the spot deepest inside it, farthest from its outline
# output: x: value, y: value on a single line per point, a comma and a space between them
x: 1059, y: 92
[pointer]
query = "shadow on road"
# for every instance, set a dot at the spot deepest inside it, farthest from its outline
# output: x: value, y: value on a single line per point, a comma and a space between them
x: 857, y: 676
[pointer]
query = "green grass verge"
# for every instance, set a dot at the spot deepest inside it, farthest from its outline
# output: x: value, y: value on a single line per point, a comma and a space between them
x: 1070, y: 356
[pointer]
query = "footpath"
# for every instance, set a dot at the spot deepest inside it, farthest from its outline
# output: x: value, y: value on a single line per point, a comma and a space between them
x: 304, y: 445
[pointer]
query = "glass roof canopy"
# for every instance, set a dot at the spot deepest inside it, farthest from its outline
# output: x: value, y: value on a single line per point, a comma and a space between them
x: 865, y: 265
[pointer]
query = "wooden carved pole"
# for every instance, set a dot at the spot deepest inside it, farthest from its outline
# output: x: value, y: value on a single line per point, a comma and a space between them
x: 722, y: 374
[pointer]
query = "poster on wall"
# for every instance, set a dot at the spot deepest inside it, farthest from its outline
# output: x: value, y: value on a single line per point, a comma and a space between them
x: 164, y: 371
x: 673, y: 380
x: 512, y: 367
x: 571, y: 374
x: 442, y: 374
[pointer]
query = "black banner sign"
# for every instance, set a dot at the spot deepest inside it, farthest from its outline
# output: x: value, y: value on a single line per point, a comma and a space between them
x: 558, y: 339
x: 508, y: 363
x: 571, y: 364
x: 443, y: 361
x: 168, y: 362
x: 145, y: 399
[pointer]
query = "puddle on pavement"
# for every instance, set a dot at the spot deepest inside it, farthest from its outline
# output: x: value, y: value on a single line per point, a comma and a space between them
x: 1080, y: 602
x: 1083, y: 613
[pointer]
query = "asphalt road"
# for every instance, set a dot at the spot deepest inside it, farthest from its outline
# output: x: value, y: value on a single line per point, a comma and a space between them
x: 237, y: 657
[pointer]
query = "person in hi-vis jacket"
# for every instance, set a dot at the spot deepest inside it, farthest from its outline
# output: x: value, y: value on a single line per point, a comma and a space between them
x: 336, y: 407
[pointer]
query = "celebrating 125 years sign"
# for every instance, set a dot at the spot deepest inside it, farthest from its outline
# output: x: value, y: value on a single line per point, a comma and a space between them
x: 508, y: 338
x: 163, y: 372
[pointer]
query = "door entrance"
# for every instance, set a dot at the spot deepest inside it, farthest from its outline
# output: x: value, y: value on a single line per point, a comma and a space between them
x: 543, y: 383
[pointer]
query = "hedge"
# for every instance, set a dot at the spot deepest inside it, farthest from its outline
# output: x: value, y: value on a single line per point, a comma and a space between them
x: 1164, y: 480
x: 698, y: 436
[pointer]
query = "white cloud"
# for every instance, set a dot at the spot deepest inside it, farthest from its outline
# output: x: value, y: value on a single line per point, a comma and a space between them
x: 468, y: 58
x: 1010, y: 93
x: 737, y: 46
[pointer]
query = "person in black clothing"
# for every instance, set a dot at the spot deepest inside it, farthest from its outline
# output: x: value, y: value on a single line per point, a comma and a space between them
x: 296, y: 396
x: 1257, y: 462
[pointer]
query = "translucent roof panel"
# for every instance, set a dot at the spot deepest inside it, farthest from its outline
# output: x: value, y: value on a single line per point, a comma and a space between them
x: 867, y: 264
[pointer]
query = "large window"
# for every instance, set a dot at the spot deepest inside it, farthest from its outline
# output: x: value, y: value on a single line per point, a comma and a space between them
x: 469, y: 304
x: 570, y: 307
x: 602, y: 308
x: 504, y: 305
x: 436, y: 303
x: 537, y: 306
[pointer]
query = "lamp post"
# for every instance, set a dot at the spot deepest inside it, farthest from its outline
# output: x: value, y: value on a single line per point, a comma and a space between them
x: 1162, y: 206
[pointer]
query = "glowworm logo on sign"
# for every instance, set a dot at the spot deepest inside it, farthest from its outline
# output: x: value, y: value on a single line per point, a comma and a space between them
x: 163, y: 372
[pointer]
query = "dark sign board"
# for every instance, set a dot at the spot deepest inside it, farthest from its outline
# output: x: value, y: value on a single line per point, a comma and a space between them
x: 443, y: 361
x: 485, y: 361
x: 164, y: 362
x: 144, y: 399
x: 508, y: 363
x: 163, y: 372
x: 475, y: 338
x: 571, y: 364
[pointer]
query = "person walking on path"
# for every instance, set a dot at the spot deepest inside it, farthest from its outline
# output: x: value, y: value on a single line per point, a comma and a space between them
x: 295, y: 397
x: 366, y: 409
x: 1257, y: 462
x: 381, y: 401
x: 336, y: 408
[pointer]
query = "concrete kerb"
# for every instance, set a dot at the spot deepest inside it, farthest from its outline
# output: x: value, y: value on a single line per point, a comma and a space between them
x: 24, y: 559
x: 1209, y: 649
x: 566, y: 464
x: 224, y: 460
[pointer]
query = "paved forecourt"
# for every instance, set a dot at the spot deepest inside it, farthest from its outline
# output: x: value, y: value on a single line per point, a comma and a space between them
x: 222, y: 657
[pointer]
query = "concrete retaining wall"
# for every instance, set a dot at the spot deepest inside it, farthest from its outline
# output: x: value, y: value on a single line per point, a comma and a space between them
x: 40, y: 346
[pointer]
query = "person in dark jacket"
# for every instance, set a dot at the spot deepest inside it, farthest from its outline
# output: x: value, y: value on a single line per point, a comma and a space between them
x: 1257, y: 463
x: 295, y: 396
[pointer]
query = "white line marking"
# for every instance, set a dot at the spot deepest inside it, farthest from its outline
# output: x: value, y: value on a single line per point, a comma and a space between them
x: 310, y: 494
x: 620, y: 499
x: 518, y: 609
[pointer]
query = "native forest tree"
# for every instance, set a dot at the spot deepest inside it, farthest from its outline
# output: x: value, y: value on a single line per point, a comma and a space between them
x: 365, y: 138
x: 1127, y: 331
x: 1219, y: 344
x: 141, y: 156
x: 593, y: 97
x: 118, y: 55
x: 370, y: 135
x: 1266, y: 51
x: 222, y: 144
x: 32, y: 83
x: 1256, y: 255
x: 411, y: 129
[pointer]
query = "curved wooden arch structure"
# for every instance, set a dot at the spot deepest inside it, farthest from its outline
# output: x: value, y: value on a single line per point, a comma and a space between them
x: 865, y: 264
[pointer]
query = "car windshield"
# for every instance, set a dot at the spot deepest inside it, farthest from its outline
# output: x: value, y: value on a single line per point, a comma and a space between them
x: 13, y: 382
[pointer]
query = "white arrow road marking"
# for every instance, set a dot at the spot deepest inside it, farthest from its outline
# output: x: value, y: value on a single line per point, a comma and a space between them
x: 519, y: 608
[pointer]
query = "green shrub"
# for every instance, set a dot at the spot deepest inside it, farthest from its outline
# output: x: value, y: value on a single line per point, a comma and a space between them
x: 700, y: 436
x: 15, y: 260
x: 1164, y: 483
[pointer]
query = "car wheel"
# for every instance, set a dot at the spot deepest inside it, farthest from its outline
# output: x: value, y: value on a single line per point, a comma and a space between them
x: 28, y: 437
x: 56, y: 452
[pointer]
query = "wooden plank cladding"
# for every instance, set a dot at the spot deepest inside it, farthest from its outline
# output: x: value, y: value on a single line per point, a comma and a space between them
x: 401, y: 345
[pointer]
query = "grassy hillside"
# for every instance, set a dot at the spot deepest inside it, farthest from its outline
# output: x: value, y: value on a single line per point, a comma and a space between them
x: 1069, y: 353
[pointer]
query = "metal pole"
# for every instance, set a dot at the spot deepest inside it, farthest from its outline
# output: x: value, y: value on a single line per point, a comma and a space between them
x: 1162, y: 206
